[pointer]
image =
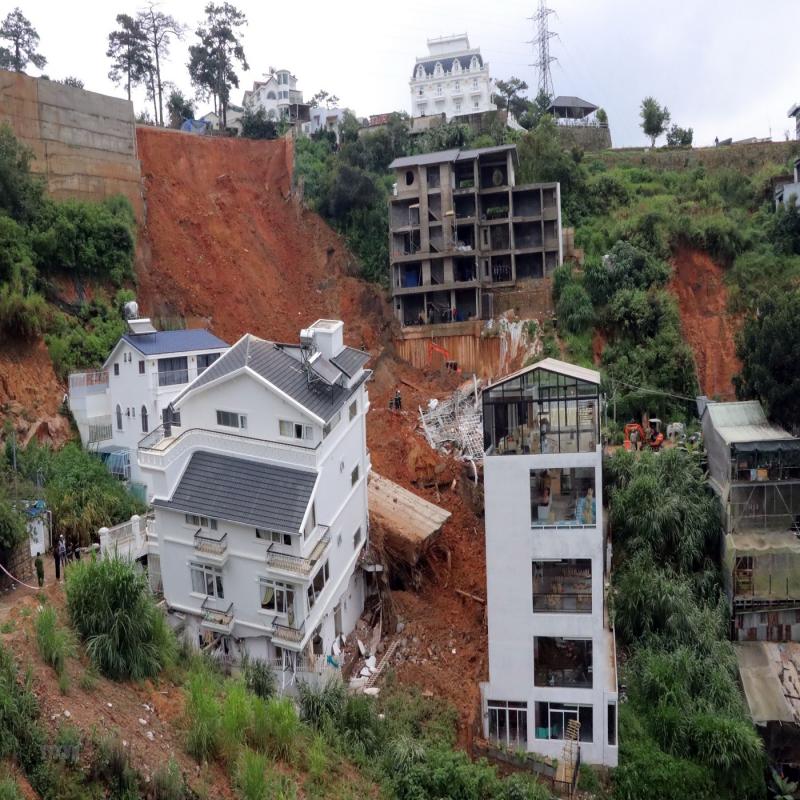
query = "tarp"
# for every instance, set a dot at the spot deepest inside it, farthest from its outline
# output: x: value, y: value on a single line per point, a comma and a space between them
x: 776, y: 563
x: 762, y: 687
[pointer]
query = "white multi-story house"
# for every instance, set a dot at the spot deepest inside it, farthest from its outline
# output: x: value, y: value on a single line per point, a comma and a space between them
x: 452, y: 79
x: 551, y: 651
x: 325, y: 119
x: 116, y: 406
x: 260, y: 499
x: 278, y: 95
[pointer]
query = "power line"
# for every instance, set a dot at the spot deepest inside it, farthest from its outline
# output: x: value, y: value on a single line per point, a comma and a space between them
x: 541, y: 45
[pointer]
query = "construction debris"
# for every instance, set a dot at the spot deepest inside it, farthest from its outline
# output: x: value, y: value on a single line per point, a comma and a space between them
x: 455, y: 426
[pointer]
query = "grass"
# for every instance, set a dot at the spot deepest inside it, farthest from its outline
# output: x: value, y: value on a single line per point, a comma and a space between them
x: 55, y: 642
x: 8, y: 626
x: 251, y: 770
x: 9, y: 790
x: 88, y: 679
x: 167, y: 782
x: 203, y: 714
x: 317, y: 760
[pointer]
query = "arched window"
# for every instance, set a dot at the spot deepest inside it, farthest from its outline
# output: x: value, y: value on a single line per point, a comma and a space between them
x: 473, y: 64
x: 456, y: 65
x: 144, y: 419
x: 437, y: 70
x: 271, y: 95
x: 420, y: 72
x: 119, y: 418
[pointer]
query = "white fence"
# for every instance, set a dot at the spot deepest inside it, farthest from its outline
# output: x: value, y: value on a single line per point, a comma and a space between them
x: 93, y: 382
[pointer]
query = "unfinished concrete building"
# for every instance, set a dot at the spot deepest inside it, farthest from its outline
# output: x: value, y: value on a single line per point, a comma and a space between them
x: 462, y: 231
x: 754, y: 467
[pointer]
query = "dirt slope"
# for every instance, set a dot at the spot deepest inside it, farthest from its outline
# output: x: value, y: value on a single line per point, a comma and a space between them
x: 226, y: 242
x: 699, y: 285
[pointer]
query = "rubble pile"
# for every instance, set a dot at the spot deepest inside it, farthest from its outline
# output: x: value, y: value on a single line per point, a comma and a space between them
x: 454, y: 426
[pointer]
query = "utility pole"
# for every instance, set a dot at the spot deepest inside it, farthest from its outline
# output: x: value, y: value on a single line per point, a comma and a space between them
x: 541, y: 48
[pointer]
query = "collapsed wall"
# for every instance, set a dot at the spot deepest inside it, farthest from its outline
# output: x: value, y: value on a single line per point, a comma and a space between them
x: 84, y: 142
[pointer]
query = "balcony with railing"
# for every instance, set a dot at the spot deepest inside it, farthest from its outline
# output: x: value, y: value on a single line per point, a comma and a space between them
x: 297, y: 565
x: 92, y: 382
x: 217, y: 615
x: 291, y: 635
x: 211, y: 545
x: 166, y: 379
x: 100, y: 429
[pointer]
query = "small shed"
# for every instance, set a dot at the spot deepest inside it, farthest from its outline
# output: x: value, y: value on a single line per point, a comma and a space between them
x: 570, y: 107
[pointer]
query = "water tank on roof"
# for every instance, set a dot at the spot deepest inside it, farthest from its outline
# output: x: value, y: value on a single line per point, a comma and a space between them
x: 306, y: 337
x: 131, y: 310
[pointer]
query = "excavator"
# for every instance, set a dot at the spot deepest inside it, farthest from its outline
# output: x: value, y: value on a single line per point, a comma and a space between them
x: 637, y: 439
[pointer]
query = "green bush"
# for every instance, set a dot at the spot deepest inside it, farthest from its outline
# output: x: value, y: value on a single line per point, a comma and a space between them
x: 167, y: 782
x: 55, y: 642
x: 203, y: 716
x: 112, y: 765
x: 112, y: 609
x: 12, y: 524
x: 9, y: 789
x: 22, y: 315
x: 574, y: 309
x: 236, y: 719
x: 251, y: 770
x: 317, y: 761
x: 321, y: 704
x: 281, y: 727
x: 259, y: 677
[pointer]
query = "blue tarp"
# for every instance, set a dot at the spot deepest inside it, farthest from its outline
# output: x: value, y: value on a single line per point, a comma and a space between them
x: 195, y: 126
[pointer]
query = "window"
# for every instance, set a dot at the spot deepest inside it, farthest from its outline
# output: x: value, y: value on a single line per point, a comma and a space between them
x: 420, y: 91
x: 173, y: 371
x: 473, y: 63
x: 508, y: 723
x: 409, y: 177
x: 476, y: 105
x: 197, y: 521
x: 205, y: 360
x: 317, y: 585
x: 353, y: 410
x: 277, y: 597
x: 357, y: 538
x: 562, y: 662
x: 458, y: 106
x: 562, y: 497
x: 295, y: 430
x: 119, y: 418
x: 331, y: 424
x: 437, y: 70
x: 354, y: 476
x: 474, y: 83
x: 141, y: 366
x: 271, y: 95
x: 144, y: 419
x: 457, y: 84
x: 552, y: 720
x: 562, y: 586
x: 439, y: 89
x: 612, y: 724
x: 116, y: 369
x: 231, y: 419
x: 274, y: 536
x: 420, y: 72
x: 207, y: 580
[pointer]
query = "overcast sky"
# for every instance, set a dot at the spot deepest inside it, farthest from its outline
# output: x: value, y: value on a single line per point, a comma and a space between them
x: 724, y: 67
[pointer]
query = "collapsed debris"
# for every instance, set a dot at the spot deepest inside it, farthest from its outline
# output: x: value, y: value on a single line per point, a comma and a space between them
x: 455, y: 426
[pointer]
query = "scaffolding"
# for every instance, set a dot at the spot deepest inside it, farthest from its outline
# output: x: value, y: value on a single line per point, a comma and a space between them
x: 455, y: 426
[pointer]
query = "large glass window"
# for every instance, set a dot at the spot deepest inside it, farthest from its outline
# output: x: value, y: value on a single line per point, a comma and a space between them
x: 552, y: 720
x: 207, y: 580
x: 562, y: 662
x: 563, y: 498
x: 230, y: 419
x: 205, y: 360
x: 173, y: 371
x: 541, y: 412
x: 196, y: 521
x: 277, y: 598
x: 508, y: 723
x: 317, y: 585
x: 295, y: 430
x: 564, y: 585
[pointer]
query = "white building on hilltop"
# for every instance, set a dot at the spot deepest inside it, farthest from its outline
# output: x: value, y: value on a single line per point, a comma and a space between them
x: 552, y: 685
x: 278, y: 95
x: 260, y: 498
x: 116, y: 406
x: 452, y: 79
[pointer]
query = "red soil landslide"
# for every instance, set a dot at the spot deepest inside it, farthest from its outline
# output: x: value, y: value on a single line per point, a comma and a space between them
x: 699, y: 285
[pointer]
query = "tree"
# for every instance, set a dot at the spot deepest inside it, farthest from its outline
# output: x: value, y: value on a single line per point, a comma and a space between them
x: 71, y: 80
x: 655, y: 119
x: 535, y: 110
x: 679, y: 137
x: 509, y: 96
x: 769, y: 348
x: 256, y: 125
x: 159, y: 28
x: 601, y: 116
x: 21, y: 35
x: 129, y: 52
x: 212, y: 61
x: 20, y: 193
x: 323, y: 97
x: 179, y: 108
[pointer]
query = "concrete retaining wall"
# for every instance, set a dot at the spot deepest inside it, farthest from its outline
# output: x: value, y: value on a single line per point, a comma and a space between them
x: 84, y: 142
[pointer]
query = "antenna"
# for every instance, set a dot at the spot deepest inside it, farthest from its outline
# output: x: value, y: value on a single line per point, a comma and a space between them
x: 541, y: 43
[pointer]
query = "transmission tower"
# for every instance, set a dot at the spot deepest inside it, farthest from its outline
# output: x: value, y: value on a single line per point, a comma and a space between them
x: 541, y: 47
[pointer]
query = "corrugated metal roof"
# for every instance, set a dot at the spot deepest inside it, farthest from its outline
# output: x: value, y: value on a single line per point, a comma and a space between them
x: 744, y: 421
x: 248, y: 492
x: 350, y: 360
x: 161, y: 342
x: 269, y: 361
x: 447, y: 156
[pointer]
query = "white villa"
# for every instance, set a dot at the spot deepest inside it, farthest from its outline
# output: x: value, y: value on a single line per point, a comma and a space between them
x: 116, y: 406
x: 552, y: 685
x: 278, y: 95
x: 259, y: 483
x: 452, y: 79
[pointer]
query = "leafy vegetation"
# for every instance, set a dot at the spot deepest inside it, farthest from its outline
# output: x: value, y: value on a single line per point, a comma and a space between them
x: 112, y: 609
x: 55, y: 642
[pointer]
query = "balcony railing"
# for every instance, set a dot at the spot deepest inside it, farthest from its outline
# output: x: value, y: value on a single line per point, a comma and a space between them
x: 100, y: 429
x: 92, y: 382
x: 217, y: 613
x: 210, y: 545
x: 297, y: 564
x: 159, y: 453
x: 172, y: 377
x: 288, y: 633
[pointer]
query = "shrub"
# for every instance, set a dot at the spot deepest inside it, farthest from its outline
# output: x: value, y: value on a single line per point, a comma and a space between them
x: 167, y: 782
x: 112, y: 765
x: 55, y: 643
x: 259, y: 677
x: 9, y: 790
x: 317, y: 760
x: 22, y: 315
x: 235, y: 720
x: 524, y: 787
x: 203, y: 714
x: 112, y: 609
x: 281, y: 728
x: 360, y: 726
x: 251, y: 770
x: 574, y: 308
x: 320, y: 704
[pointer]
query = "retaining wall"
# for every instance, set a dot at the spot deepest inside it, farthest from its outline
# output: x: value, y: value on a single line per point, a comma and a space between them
x: 84, y: 143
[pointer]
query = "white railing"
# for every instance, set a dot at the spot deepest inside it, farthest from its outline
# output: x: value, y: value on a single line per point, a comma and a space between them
x: 127, y: 539
x: 161, y: 457
x: 297, y: 564
x: 100, y: 429
x: 170, y: 378
x: 92, y: 382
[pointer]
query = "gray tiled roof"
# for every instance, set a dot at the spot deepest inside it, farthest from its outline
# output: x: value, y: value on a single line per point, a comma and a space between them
x: 448, y: 156
x: 248, y: 492
x: 151, y: 344
x: 282, y: 370
x: 350, y: 360
x: 429, y: 64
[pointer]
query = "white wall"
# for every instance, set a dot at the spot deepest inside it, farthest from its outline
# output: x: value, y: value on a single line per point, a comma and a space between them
x: 464, y: 92
x: 511, y: 547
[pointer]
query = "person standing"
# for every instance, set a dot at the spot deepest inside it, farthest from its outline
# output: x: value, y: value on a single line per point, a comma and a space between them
x: 57, y: 560
x: 62, y: 556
